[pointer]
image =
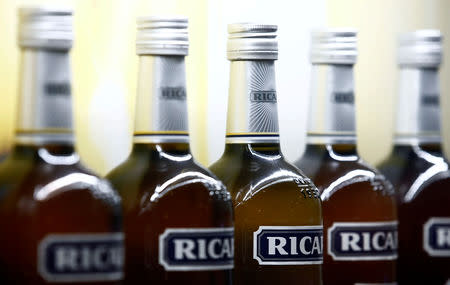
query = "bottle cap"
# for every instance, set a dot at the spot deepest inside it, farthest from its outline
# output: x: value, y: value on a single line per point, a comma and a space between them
x: 422, y: 48
x: 250, y: 41
x: 162, y: 35
x: 45, y: 27
x: 334, y: 46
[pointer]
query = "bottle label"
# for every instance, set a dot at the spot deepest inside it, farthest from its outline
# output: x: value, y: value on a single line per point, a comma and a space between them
x: 436, y: 237
x: 196, y: 249
x: 363, y: 241
x: 284, y: 245
x: 81, y: 257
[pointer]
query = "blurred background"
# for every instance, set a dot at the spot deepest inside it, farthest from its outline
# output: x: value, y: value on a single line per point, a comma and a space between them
x: 105, y: 68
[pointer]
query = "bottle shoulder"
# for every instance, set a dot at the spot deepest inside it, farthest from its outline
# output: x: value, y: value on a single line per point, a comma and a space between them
x: 140, y: 178
x: 332, y: 176
x: 39, y: 183
x: 413, y: 170
x: 249, y: 177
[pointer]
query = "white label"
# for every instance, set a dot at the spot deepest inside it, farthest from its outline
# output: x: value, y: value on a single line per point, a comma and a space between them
x: 436, y: 237
x: 196, y: 249
x: 284, y: 245
x: 81, y: 257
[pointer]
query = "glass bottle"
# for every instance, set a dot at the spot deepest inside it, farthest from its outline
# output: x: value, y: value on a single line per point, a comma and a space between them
x: 61, y: 224
x: 359, y: 214
x: 278, y: 219
x: 178, y: 217
x: 417, y: 166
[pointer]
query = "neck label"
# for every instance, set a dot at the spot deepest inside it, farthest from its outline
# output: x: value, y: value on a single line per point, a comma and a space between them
x: 197, y: 249
x: 436, y: 237
x: 252, y: 104
x: 363, y: 241
x: 284, y: 245
x: 81, y: 257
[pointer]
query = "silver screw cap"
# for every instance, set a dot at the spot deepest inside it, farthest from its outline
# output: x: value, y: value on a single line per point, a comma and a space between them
x: 334, y: 46
x: 162, y: 35
x: 250, y: 41
x: 422, y: 48
x: 45, y: 27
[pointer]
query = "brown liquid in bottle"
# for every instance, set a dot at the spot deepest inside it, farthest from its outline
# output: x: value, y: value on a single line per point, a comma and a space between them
x: 43, y: 191
x: 267, y: 191
x: 421, y: 177
x: 162, y: 187
x: 351, y: 192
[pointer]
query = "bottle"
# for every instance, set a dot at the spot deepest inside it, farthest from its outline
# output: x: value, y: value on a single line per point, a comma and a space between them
x: 278, y: 219
x: 417, y: 167
x: 60, y: 222
x: 178, y: 217
x: 358, y: 204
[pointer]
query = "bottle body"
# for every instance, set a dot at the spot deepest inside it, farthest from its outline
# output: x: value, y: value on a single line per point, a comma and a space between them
x: 359, y: 213
x: 421, y: 178
x: 178, y: 216
x: 417, y: 167
x: 51, y: 212
x: 63, y: 223
x: 163, y: 190
x: 358, y: 206
x: 271, y: 195
x: 278, y: 220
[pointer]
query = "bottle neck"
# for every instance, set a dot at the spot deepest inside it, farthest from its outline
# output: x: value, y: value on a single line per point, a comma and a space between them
x: 252, y: 103
x: 262, y: 150
x: 340, y: 152
x: 50, y: 153
x: 161, y: 106
x: 418, y: 111
x: 332, y: 105
x: 173, y: 149
x: 45, y: 103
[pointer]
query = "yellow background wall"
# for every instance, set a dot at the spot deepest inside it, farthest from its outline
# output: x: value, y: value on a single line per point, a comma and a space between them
x: 105, y: 68
x: 378, y: 23
x: 105, y: 71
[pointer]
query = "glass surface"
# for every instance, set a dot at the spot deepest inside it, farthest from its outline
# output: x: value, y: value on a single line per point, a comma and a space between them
x: 162, y: 187
x: 44, y: 190
x: 266, y: 190
x: 421, y: 178
x: 351, y: 191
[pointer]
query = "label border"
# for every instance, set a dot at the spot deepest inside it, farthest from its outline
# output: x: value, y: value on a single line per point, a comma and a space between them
x: 261, y: 262
x: 364, y: 258
x: 433, y: 252
x: 84, y: 277
x: 168, y: 267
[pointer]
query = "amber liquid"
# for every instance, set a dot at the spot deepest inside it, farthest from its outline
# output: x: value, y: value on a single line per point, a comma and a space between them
x: 432, y: 199
x: 354, y: 200
x: 264, y: 192
x: 186, y: 201
x: 27, y: 215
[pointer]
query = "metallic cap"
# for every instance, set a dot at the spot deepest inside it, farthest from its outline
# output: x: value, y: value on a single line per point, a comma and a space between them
x: 421, y: 48
x: 334, y: 46
x: 248, y: 41
x: 45, y: 27
x: 162, y: 35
